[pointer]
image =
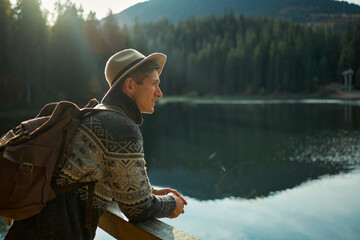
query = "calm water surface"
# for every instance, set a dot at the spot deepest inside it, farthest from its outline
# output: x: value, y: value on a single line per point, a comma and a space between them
x: 250, y: 170
x: 259, y: 169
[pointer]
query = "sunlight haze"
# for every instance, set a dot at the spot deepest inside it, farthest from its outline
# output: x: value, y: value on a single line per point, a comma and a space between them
x: 100, y: 7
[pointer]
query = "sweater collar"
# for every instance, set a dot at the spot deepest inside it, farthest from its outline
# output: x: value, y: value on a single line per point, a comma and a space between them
x: 123, y: 101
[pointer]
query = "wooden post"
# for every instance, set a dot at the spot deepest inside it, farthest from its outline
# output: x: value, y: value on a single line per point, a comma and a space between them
x: 350, y: 82
x: 347, y: 79
x: 346, y: 83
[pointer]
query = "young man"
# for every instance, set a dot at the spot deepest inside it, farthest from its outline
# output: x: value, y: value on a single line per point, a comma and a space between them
x: 108, y: 148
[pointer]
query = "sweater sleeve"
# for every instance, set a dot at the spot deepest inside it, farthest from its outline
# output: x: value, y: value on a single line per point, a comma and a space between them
x: 125, y: 172
x: 131, y: 189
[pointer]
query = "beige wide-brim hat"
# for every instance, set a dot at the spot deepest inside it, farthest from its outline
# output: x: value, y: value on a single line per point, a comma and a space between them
x: 122, y: 63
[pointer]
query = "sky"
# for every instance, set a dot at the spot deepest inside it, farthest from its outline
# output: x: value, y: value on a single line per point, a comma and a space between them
x: 353, y: 1
x: 102, y: 7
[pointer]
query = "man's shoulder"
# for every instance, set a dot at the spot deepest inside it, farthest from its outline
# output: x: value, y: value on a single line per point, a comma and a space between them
x: 109, y: 116
x: 119, y: 125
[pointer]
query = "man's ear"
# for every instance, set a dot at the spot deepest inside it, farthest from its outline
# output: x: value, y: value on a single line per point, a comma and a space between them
x: 128, y: 86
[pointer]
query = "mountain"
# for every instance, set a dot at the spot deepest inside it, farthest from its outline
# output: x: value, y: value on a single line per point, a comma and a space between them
x: 295, y: 10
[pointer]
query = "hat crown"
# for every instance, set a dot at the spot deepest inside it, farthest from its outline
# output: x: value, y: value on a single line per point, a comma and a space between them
x: 119, y: 61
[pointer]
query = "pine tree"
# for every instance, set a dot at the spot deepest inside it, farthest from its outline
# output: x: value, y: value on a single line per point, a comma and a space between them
x: 31, y: 41
x: 11, y: 89
x: 71, y: 60
x: 115, y: 38
x: 5, y: 35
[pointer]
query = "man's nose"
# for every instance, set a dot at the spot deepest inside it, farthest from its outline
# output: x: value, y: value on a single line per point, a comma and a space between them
x: 159, y: 93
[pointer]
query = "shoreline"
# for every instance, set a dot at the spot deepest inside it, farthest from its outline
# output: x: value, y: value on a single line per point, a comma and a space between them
x: 353, y: 95
x: 338, y: 95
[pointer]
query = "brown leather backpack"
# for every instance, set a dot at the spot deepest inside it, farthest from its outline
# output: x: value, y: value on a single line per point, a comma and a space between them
x: 29, y: 155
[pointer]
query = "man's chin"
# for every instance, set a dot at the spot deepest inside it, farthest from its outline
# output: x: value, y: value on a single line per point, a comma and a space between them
x: 150, y: 111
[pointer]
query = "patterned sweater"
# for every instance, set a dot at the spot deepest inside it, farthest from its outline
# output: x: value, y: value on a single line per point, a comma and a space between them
x: 107, y: 147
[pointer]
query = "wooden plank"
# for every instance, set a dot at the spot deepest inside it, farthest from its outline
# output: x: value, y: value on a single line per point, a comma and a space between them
x: 164, y: 231
x: 122, y: 229
x: 117, y: 225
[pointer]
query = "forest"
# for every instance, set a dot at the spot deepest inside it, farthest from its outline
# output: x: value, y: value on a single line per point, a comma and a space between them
x: 227, y: 55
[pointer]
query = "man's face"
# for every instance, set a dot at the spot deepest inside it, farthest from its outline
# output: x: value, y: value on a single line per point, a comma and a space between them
x: 145, y: 94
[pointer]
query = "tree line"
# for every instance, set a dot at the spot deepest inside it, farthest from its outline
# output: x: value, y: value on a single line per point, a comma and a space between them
x: 224, y: 55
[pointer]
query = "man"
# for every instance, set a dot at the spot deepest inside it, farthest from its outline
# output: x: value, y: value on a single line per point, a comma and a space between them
x: 108, y: 148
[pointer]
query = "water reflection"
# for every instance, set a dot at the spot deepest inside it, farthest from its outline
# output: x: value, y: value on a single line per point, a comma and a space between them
x: 348, y: 113
x: 326, y: 208
x: 248, y: 151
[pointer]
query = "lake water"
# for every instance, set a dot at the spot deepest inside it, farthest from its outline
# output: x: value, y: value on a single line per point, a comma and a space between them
x: 259, y: 169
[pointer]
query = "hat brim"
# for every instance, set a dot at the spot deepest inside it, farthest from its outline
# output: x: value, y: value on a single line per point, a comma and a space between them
x: 159, y: 58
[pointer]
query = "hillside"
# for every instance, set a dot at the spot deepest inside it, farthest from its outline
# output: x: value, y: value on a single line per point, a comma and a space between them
x: 296, y: 10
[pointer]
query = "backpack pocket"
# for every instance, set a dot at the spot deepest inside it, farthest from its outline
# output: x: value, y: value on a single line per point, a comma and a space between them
x: 25, y: 179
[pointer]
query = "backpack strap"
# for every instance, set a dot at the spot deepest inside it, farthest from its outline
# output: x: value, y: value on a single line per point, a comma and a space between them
x: 89, y: 208
x: 70, y: 188
x: 92, y: 103
x: 47, y: 110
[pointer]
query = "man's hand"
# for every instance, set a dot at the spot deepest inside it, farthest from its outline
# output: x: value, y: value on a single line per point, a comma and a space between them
x: 164, y: 191
x: 179, y: 206
x: 180, y: 200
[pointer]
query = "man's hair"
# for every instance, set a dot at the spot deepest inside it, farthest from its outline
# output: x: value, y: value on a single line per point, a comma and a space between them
x: 141, y: 72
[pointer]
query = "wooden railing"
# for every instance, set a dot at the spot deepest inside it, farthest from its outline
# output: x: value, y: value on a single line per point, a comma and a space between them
x: 116, y: 224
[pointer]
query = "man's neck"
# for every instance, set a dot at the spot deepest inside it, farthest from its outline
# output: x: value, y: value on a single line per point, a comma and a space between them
x: 125, y: 102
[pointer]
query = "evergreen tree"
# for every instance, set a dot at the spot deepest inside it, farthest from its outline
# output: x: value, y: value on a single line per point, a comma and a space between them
x: 70, y: 59
x: 115, y: 38
x: 97, y: 48
x: 9, y: 85
x: 350, y: 53
x: 5, y: 35
x: 31, y: 41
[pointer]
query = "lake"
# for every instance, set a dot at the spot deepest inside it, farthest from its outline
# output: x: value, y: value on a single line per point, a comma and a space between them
x: 254, y: 169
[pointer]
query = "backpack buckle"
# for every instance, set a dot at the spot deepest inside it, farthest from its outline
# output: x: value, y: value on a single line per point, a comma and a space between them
x: 22, y: 180
x: 26, y: 167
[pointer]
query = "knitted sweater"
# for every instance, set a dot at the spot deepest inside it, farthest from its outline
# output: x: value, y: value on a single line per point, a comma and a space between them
x: 107, y: 147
